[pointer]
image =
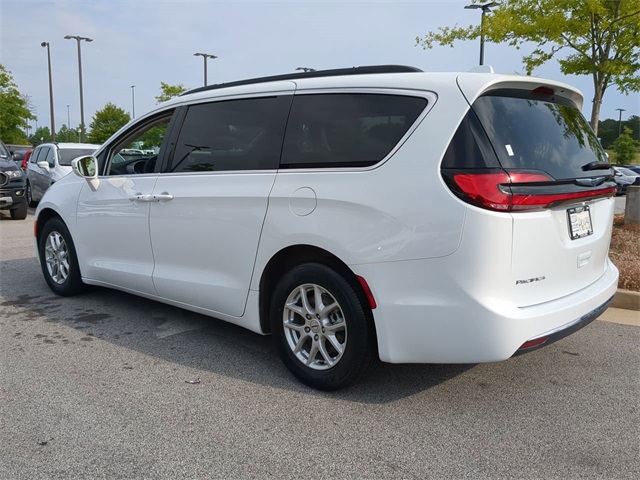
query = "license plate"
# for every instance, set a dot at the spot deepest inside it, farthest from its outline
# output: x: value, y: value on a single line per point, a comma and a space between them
x: 579, y: 222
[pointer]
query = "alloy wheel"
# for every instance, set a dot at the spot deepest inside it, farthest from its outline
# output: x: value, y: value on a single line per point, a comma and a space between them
x: 56, y: 254
x: 314, y: 326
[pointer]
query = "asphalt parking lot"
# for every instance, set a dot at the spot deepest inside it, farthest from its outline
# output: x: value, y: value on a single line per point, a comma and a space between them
x: 96, y: 386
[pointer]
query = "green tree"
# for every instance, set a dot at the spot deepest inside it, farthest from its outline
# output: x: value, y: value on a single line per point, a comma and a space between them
x: 167, y: 91
x: 41, y: 135
x: 14, y: 110
x: 602, y: 36
x: 609, y: 128
x: 66, y: 134
x: 106, y: 122
x: 625, y: 148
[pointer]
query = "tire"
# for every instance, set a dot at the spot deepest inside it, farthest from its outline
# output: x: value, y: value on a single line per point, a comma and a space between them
x: 58, y: 259
x: 328, y: 348
x: 29, y: 195
x: 19, y: 212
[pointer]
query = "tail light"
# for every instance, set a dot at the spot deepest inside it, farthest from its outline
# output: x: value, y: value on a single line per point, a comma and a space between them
x: 511, y: 191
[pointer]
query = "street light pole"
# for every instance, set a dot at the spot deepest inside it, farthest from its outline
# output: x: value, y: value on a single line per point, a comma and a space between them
x: 53, y: 123
x: 620, y: 120
x: 204, y: 56
x: 133, y: 102
x: 68, y: 118
x: 79, y: 39
x: 486, y: 8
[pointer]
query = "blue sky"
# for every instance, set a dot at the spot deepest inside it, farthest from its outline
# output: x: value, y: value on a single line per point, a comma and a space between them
x: 143, y: 42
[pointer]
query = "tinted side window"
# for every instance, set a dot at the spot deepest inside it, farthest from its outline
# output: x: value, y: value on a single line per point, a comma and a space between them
x: 346, y: 130
x: 232, y: 135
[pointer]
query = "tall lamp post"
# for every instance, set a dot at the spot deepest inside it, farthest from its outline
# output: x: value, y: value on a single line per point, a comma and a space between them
x: 68, y: 118
x: 620, y: 120
x: 486, y: 8
x: 53, y: 123
x: 204, y: 56
x: 79, y: 39
x: 133, y: 101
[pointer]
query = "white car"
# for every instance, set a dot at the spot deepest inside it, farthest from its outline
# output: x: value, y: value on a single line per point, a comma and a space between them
x: 373, y: 213
x: 48, y: 163
x: 624, y: 177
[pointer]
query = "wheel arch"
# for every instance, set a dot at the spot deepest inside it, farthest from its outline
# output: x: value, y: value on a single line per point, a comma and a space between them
x: 293, y: 256
x: 43, y: 217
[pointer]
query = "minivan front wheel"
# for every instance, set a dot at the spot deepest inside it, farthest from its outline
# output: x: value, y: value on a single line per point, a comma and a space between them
x: 320, y: 327
x: 58, y: 259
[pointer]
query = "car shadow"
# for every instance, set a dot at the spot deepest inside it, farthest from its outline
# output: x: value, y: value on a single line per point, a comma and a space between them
x: 196, y: 341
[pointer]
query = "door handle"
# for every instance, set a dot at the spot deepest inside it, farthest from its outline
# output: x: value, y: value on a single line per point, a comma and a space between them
x: 162, y: 197
x: 138, y: 197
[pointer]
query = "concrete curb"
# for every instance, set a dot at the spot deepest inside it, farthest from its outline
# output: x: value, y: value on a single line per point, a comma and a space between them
x: 626, y: 299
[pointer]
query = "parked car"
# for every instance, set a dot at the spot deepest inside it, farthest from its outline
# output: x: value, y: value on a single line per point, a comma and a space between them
x: 12, y: 186
x: 624, y: 177
x: 48, y: 163
x: 633, y: 168
x: 357, y: 215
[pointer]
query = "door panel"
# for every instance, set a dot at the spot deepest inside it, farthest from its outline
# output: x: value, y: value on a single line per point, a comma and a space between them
x: 205, y: 239
x: 113, y: 232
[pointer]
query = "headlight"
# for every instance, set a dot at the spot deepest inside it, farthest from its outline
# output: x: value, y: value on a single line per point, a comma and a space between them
x: 13, y: 174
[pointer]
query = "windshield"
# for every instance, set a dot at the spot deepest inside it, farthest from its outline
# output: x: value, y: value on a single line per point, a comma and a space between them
x: 538, y: 134
x: 4, y: 153
x: 69, y: 154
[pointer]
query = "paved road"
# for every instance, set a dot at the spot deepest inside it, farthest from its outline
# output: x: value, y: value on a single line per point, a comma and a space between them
x: 95, y: 387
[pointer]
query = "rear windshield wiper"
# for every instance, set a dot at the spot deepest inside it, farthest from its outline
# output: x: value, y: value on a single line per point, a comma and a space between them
x: 596, y: 166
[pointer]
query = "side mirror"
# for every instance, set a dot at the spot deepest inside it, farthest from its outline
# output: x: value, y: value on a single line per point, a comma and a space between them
x: 85, y: 167
x: 43, y: 165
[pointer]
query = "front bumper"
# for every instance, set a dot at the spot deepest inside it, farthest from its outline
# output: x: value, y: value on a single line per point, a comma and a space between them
x: 11, y: 197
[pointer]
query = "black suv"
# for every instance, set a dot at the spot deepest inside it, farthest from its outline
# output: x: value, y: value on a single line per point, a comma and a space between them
x: 12, y: 186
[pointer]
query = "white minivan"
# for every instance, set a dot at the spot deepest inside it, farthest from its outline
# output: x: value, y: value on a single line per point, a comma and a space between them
x: 356, y: 215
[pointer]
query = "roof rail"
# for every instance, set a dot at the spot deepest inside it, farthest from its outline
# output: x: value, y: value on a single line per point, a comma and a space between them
x: 336, y: 72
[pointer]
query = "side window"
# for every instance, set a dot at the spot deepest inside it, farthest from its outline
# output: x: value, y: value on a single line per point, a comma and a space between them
x: 138, y: 151
x: 232, y: 135
x: 346, y: 130
x: 34, y: 156
x: 50, y: 159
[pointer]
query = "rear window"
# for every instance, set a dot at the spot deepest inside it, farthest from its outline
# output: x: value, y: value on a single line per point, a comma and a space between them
x: 539, y: 134
x: 346, y: 130
x: 68, y: 154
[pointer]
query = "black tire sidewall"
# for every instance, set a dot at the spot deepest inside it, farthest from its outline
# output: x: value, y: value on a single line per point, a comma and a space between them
x: 358, y: 352
x: 73, y: 284
x: 20, y: 212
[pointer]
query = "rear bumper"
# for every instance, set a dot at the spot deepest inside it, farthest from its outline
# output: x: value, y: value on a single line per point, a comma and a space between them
x: 425, y: 315
x: 553, y: 336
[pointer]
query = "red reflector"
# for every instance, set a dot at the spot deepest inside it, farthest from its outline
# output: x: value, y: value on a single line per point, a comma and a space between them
x: 367, y: 292
x: 533, y: 343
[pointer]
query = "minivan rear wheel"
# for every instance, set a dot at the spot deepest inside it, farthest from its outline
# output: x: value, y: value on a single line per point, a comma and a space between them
x: 320, y: 327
